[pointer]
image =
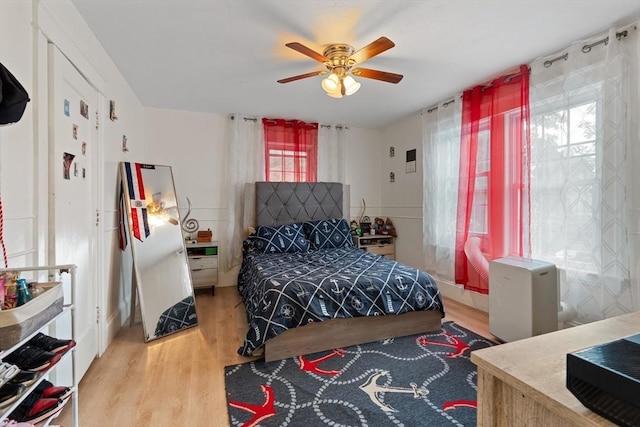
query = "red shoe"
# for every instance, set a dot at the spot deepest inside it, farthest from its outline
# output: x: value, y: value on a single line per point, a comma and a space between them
x: 56, y: 392
x: 41, y: 410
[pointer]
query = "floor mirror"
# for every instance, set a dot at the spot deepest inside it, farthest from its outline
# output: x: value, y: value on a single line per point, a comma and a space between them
x: 160, y: 267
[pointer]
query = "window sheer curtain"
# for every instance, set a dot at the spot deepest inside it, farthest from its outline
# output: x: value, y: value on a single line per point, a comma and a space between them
x: 441, y: 154
x: 584, y: 180
x: 331, y: 152
x: 245, y: 154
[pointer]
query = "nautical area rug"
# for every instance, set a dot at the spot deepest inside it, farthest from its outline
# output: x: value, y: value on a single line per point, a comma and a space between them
x: 419, y: 380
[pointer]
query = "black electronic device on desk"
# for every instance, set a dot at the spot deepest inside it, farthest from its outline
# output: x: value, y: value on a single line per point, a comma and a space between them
x: 606, y: 379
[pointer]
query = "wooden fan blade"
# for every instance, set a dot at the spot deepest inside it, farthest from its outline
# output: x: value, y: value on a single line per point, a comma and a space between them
x: 377, y: 75
x: 298, y: 47
x: 372, y: 49
x: 302, y: 76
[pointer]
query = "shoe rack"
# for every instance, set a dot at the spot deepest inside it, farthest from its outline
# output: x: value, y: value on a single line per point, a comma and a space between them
x: 67, y: 307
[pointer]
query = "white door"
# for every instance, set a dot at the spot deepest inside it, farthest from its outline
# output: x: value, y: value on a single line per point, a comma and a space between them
x: 73, y: 195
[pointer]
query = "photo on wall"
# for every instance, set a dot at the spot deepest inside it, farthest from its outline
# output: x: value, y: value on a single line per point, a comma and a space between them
x: 411, y: 161
x: 84, y: 109
x: 67, y: 159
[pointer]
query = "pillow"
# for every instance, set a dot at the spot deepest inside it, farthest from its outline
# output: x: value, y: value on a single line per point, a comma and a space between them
x: 279, y: 239
x: 329, y: 233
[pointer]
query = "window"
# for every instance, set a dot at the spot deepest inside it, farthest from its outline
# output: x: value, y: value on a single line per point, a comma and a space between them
x: 479, y: 212
x: 291, y: 149
x: 287, y: 165
x: 565, y: 185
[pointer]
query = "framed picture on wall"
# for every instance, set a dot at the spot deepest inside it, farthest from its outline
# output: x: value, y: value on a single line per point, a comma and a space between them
x: 411, y: 161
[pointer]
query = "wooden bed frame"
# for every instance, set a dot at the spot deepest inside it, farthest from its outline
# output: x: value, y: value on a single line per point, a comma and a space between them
x: 285, y: 203
x: 336, y: 333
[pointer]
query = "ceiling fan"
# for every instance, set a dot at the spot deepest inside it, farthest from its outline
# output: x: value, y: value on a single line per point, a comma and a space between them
x: 341, y: 61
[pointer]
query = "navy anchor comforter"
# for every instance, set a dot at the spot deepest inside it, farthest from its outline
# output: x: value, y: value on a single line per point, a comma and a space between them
x: 287, y: 290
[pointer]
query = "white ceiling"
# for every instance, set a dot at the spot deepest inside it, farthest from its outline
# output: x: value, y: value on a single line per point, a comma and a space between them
x: 224, y: 56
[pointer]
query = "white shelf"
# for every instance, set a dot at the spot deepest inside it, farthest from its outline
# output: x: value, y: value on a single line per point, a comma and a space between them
x: 67, y: 308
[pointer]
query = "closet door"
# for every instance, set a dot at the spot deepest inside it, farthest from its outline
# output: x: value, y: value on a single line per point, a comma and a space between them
x: 73, y: 195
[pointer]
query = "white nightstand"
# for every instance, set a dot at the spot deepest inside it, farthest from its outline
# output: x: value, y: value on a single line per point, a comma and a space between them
x: 377, y: 244
x: 203, y: 263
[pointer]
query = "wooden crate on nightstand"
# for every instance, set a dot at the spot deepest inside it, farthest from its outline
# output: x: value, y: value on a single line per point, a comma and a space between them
x: 203, y: 263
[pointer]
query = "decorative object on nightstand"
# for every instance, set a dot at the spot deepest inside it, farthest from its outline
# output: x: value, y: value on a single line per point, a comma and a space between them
x: 203, y: 263
x: 377, y: 244
x: 189, y: 225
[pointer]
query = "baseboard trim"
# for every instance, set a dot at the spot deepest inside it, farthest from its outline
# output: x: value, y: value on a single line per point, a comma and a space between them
x: 460, y: 294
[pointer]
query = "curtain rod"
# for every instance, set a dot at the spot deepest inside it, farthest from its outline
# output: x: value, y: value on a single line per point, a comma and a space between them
x: 586, y: 49
x: 254, y: 119
x: 336, y: 126
x: 246, y: 119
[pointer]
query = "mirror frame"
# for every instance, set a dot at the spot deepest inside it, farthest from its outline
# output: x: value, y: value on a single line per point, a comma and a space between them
x: 154, y: 233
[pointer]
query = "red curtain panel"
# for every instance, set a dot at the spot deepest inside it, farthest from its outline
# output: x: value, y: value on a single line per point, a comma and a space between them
x: 291, y: 150
x: 492, y: 186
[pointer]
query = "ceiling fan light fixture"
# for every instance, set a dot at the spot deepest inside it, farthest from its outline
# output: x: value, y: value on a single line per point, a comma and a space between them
x: 331, y: 83
x: 351, y: 86
x: 336, y: 93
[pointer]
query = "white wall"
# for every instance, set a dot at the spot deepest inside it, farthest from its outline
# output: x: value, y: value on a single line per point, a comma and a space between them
x: 25, y: 29
x: 402, y: 199
x: 363, y: 170
x: 192, y: 143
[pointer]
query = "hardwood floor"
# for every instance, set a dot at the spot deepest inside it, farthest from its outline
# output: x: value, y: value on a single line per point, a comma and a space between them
x: 179, y: 380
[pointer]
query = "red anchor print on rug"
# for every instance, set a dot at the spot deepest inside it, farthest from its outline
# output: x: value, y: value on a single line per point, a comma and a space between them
x: 459, y: 403
x: 460, y: 346
x: 312, y: 365
x: 261, y: 412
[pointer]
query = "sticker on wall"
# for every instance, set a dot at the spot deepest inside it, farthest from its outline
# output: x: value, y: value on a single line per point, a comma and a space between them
x: 411, y: 161
x: 124, y: 144
x: 75, y: 131
x: 67, y: 159
x: 67, y: 106
x: 84, y: 148
x: 392, y: 177
x: 84, y: 109
x: 112, y: 111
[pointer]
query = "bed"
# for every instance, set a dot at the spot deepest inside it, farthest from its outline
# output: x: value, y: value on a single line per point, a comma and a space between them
x: 307, y: 288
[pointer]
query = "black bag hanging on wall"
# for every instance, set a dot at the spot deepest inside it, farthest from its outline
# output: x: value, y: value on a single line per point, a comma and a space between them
x: 13, y: 98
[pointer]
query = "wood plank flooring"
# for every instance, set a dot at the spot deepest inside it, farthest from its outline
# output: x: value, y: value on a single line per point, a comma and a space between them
x: 179, y: 380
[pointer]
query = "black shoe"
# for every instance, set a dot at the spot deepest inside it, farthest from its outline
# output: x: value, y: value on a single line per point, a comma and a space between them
x: 9, y: 393
x: 31, y: 358
x: 51, y: 344
x: 25, y: 378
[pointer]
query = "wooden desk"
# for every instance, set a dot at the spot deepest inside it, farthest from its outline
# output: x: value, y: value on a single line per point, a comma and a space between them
x: 523, y: 383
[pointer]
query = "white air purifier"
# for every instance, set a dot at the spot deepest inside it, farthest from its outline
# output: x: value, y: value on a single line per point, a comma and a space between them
x: 523, y: 298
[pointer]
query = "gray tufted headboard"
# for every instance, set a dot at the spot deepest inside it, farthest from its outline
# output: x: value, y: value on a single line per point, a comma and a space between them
x: 280, y: 203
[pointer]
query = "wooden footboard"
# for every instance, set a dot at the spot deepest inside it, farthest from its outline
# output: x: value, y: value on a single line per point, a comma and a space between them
x: 336, y: 333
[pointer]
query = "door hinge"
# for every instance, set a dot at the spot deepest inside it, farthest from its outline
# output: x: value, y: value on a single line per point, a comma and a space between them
x: 97, y: 218
x: 97, y: 314
x: 97, y: 120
